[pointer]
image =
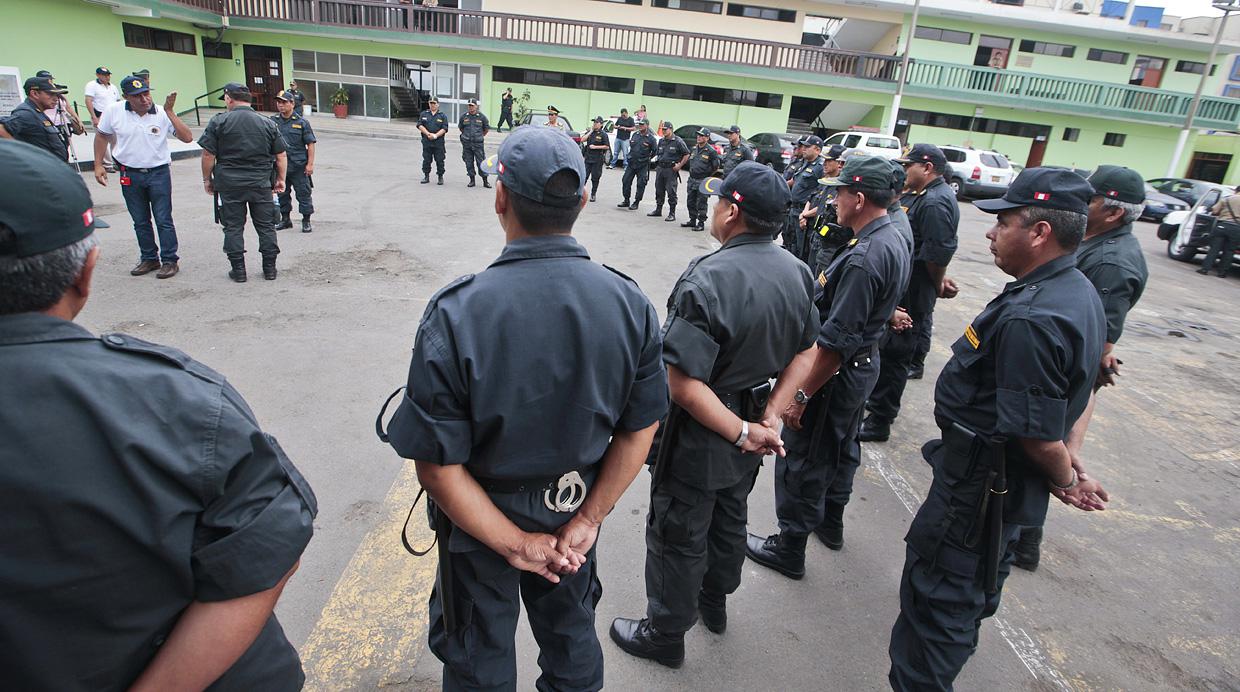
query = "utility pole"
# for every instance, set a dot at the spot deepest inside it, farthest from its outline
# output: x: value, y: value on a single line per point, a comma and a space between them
x: 1227, y: 6
x: 908, y: 43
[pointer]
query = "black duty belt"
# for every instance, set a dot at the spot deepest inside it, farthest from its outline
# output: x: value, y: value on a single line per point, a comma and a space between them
x: 141, y: 170
x: 506, y: 486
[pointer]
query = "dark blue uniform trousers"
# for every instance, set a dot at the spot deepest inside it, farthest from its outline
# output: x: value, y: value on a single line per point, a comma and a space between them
x: 434, y: 150
x: 695, y: 541
x: 473, y: 154
x: 941, y: 612
x: 695, y: 201
x: 665, y: 182
x: 792, y: 233
x: 296, y: 180
x: 899, y: 351
x: 150, y: 193
x: 481, y: 654
x: 823, y: 456
x: 641, y: 172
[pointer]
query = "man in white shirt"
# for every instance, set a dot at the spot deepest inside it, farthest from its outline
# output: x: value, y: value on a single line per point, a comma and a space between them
x: 101, y: 93
x: 138, y: 132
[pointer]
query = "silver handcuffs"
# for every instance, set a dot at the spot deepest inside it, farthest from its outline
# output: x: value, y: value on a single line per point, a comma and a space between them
x: 570, y: 492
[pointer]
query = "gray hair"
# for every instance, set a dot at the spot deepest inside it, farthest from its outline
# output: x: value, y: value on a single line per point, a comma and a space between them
x: 36, y: 283
x: 1132, y: 211
x: 1067, y: 226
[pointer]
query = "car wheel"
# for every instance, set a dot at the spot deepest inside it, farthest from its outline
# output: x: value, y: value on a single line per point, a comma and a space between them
x: 957, y: 188
x: 1178, y: 251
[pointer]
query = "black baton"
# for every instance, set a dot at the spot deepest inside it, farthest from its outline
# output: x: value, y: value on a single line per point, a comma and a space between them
x: 215, y: 205
x: 998, y: 450
x: 310, y: 179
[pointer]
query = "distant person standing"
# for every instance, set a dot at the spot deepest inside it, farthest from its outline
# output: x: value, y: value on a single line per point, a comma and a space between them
x: 241, y: 151
x: 299, y: 143
x: 624, y: 129
x: 505, y: 110
x: 637, y: 164
x: 433, y: 125
x: 1226, y: 234
x: 671, y: 155
x: 737, y: 152
x: 101, y: 93
x: 299, y: 99
x: 553, y: 120
x: 474, y: 128
x: 597, y: 144
x: 138, y: 131
x: 703, y: 162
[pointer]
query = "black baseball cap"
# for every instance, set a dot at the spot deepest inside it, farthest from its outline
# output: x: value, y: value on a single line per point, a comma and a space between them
x: 667, y: 125
x: 813, y: 141
x: 1053, y: 188
x: 800, y: 141
x: 735, y: 128
x: 43, y: 84
x: 142, y: 72
x: 44, y: 73
x: 134, y: 85
x: 1118, y: 183
x: 925, y: 153
x: 599, y: 119
x: 641, y: 121
x: 102, y: 70
x: 703, y: 132
x: 236, y: 90
x: 530, y: 156
x: 472, y: 102
x: 898, y: 176
x: 865, y: 173
x: 756, y: 188
x: 285, y: 96
x: 44, y: 201
x: 835, y: 152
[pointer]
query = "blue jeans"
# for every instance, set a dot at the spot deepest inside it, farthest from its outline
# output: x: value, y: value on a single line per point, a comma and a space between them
x: 617, y: 146
x: 146, y: 194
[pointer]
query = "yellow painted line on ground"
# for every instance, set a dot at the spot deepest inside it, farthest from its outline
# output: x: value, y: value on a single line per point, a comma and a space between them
x: 374, y: 625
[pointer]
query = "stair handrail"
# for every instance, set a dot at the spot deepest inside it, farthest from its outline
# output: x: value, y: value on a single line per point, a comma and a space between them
x: 197, y: 115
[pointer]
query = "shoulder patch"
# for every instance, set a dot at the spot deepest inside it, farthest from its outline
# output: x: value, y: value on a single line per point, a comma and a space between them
x: 621, y: 274
x: 450, y: 287
x: 971, y: 334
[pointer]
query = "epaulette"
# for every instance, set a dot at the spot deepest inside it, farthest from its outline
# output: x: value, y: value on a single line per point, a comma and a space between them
x: 166, y: 354
x: 452, y: 286
x: 621, y: 274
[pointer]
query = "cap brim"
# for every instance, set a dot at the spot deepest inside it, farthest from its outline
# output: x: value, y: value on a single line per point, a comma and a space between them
x: 490, y: 165
x: 711, y: 186
x: 903, y: 160
x: 832, y: 182
x: 100, y: 223
x: 994, y: 206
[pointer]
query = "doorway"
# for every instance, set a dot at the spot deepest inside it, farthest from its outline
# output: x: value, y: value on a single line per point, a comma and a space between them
x: 1036, y: 151
x: 264, y: 74
x: 992, y: 51
x: 1147, y: 71
x: 455, y: 84
x: 1211, y: 168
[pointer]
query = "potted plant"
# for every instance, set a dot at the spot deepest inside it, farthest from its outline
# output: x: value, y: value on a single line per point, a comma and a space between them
x: 340, y: 103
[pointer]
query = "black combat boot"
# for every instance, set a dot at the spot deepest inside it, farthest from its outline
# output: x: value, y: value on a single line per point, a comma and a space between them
x: 285, y: 221
x: 638, y: 638
x: 690, y: 223
x: 623, y: 205
x: 238, y: 269
x: 1029, y: 549
x: 874, y: 429
x: 831, y: 530
x: 714, y: 611
x: 485, y: 182
x: 305, y: 223
x: 633, y: 206
x: 671, y: 214
x: 658, y: 211
x: 426, y: 178
x: 471, y: 182
x: 782, y: 552
x: 269, y: 268
x: 440, y: 182
x: 701, y: 225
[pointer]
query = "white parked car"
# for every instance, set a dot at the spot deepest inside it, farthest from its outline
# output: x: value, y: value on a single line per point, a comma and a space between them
x: 1189, y: 232
x: 977, y: 172
x: 871, y: 143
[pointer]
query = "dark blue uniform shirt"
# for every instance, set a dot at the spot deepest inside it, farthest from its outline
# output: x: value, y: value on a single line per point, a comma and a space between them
x: 433, y: 122
x: 596, y: 139
x: 30, y: 125
x: 733, y: 156
x: 641, y: 148
x: 245, y: 145
x: 859, y: 290
x: 526, y: 370
x: 1024, y: 368
x: 1114, y: 264
x: 297, y: 133
x: 670, y: 151
x: 472, y: 126
x: 934, y: 216
x: 133, y: 482
x: 806, y: 182
x: 703, y: 161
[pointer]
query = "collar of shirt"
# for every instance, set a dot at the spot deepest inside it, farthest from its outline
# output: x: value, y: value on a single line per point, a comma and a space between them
x: 747, y: 239
x: 35, y: 327
x: 541, y: 247
x: 150, y: 112
x: 933, y: 184
x: 873, y: 226
x: 1056, y: 266
x: 1103, y: 237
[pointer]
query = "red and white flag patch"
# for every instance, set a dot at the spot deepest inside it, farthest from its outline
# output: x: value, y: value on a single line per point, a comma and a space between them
x: 1042, y: 196
x: 738, y: 196
x: 88, y: 217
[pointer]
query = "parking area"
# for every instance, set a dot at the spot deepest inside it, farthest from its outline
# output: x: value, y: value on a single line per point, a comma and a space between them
x: 1142, y: 596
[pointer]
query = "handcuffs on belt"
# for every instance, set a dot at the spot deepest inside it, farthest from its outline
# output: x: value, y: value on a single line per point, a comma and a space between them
x: 570, y: 492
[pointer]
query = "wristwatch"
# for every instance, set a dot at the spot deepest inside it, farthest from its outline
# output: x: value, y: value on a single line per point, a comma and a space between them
x: 801, y: 397
x: 1076, y: 480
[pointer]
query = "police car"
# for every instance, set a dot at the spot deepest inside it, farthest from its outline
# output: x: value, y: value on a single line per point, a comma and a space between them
x: 1188, y: 232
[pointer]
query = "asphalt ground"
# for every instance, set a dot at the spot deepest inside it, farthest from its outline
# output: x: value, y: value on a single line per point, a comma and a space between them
x: 1141, y: 597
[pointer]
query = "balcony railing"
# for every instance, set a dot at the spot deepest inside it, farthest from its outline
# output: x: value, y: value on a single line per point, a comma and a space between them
x: 871, y: 71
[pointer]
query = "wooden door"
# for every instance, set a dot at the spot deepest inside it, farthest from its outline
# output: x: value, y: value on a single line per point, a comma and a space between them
x: 1036, y: 152
x: 264, y: 74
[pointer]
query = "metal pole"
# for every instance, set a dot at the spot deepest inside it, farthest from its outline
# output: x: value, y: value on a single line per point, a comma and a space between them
x: 1201, y: 85
x: 895, y: 101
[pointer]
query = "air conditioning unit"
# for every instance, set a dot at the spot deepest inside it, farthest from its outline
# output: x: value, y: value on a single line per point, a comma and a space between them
x: 1079, y: 8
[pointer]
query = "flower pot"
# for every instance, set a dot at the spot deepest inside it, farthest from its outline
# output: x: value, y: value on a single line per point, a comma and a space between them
x: 341, y: 110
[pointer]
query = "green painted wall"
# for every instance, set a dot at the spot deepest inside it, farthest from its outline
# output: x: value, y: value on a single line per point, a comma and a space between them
x: 70, y: 38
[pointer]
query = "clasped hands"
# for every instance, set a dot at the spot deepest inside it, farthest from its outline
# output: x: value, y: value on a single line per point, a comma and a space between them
x: 554, y: 555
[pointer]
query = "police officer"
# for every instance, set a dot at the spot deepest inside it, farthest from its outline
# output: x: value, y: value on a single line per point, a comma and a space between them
x: 299, y: 142
x: 797, y: 163
x: 642, y: 147
x: 169, y: 520
x: 299, y: 99
x: 737, y: 151
x: 736, y: 317
x: 505, y: 110
x: 597, y: 146
x: 527, y: 460
x: 433, y: 125
x: 821, y: 394
x: 817, y: 218
x: 1110, y: 257
x: 1018, y: 380
x: 703, y: 161
x: 805, y: 181
x: 474, y: 128
x: 28, y: 123
x: 553, y: 120
x: 241, y: 152
x: 671, y: 154
x: 934, y: 215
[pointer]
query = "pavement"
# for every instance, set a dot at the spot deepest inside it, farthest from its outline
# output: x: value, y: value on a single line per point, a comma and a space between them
x: 1140, y: 597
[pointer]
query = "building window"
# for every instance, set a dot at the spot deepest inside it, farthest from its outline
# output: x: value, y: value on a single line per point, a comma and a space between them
x: 690, y: 5
x: 1113, y: 56
x: 565, y: 80
x: 972, y: 124
x: 1193, y: 67
x: 755, y: 12
x: 138, y: 36
x: 1114, y: 139
x: 1147, y: 71
x: 1059, y: 50
x: 719, y: 95
x: 1231, y: 91
x: 934, y: 34
x: 625, y: 2
x: 1071, y: 134
x: 216, y: 50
